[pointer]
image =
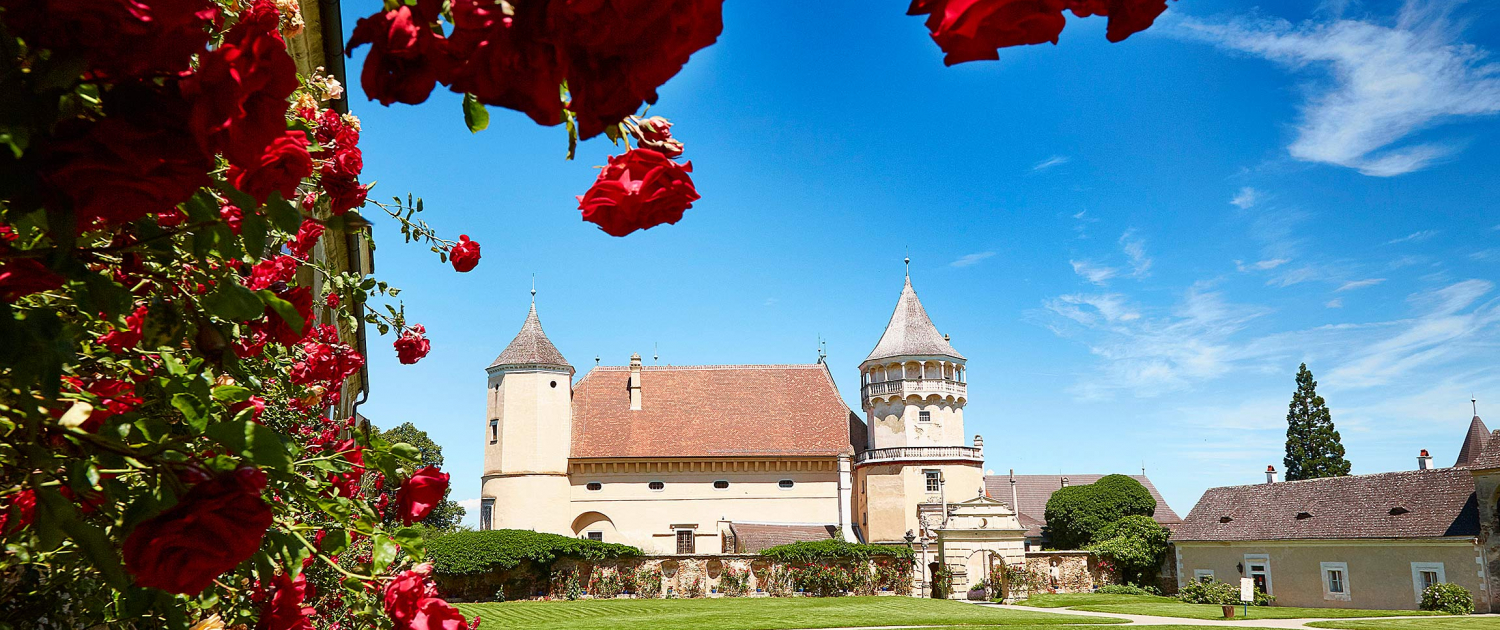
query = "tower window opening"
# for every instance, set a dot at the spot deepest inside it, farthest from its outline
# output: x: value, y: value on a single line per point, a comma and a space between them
x: 593, y: 486
x: 494, y: 431
x: 934, y: 480
x: 924, y: 416
x: 721, y: 485
x: 785, y: 484
x: 554, y: 384
x: 657, y: 486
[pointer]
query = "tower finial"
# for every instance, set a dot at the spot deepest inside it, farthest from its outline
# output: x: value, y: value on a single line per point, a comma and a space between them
x: 533, y: 289
x: 655, y: 355
x: 907, y: 261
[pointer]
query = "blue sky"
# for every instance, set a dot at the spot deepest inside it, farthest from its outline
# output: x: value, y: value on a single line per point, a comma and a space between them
x: 1134, y: 244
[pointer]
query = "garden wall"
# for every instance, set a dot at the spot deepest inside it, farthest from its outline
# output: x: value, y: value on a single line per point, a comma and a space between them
x: 1050, y: 572
x: 681, y: 576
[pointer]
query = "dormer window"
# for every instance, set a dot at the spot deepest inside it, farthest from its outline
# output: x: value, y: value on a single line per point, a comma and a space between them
x: 1225, y: 519
x: 1398, y: 511
x: 1304, y: 515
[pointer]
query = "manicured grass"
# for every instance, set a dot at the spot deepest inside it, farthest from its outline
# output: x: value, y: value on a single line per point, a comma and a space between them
x: 735, y: 613
x: 1486, y: 622
x: 1065, y: 600
x: 1211, y: 611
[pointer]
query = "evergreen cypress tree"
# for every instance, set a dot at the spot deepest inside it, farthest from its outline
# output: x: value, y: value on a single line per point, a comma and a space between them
x: 1313, y: 449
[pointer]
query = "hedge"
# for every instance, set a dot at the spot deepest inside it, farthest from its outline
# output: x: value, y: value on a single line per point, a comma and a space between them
x: 473, y: 553
x: 1075, y: 514
x: 833, y: 550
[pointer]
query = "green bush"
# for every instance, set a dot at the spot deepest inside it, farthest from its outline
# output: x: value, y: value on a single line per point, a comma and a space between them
x: 1075, y: 514
x: 811, y: 551
x: 475, y: 553
x: 1449, y: 598
x: 1135, y: 546
x: 1127, y: 589
x: 1221, y: 593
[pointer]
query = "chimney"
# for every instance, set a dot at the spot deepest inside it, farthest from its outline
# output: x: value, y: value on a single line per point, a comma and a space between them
x: 1424, y: 461
x: 979, y: 443
x: 635, y: 382
x: 1270, y: 474
x: 1064, y: 482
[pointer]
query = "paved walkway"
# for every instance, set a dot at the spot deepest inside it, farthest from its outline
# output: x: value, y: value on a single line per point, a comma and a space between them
x: 1152, y: 620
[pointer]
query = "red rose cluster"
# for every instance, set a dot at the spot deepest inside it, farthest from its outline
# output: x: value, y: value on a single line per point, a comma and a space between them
x: 412, y: 603
x: 464, y: 255
x: 412, y: 345
x: 613, y: 54
x: 420, y: 494
x: 638, y: 190
x: 215, y: 526
x: 971, y: 30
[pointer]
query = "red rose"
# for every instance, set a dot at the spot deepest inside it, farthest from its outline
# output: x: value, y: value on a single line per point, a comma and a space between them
x: 271, y: 271
x: 507, y: 61
x: 232, y: 216
x: 20, y: 277
x: 970, y: 30
x: 344, y: 192
x: 326, y: 361
x: 278, y: 330
x: 22, y: 508
x: 307, y: 237
x: 412, y: 345
x: 283, y: 609
x: 279, y: 169
x: 217, y: 525
x: 332, y: 300
x: 255, y: 404
x: 239, y: 93
x: 464, y: 255
x: 116, y: 38
x: 638, y: 190
x: 412, y: 603
x: 436, y: 614
x: 419, y: 494
x: 121, y: 341
x: 115, y: 396
x: 406, y: 57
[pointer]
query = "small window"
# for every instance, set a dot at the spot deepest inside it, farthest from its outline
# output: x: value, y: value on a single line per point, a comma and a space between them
x: 1398, y: 511
x: 685, y: 541
x: 595, y: 536
x: 486, y: 514
x: 934, y: 480
x: 1205, y: 576
x: 1335, y: 581
x: 1225, y: 519
x: 785, y: 484
x: 656, y: 486
x: 1424, y: 575
x: 494, y: 431
x: 554, y: 384
x: 721, y: 485
x: 593, y: 486
x: 924, y: 416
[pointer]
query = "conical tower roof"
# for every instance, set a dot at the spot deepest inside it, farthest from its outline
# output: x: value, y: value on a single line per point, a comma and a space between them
x: 911, y: 332
x: 1474, y: 444
x: 531, y: 346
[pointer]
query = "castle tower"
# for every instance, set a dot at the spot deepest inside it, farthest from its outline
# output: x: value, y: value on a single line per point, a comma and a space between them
x: 913, y: 388
x: 527, y: 435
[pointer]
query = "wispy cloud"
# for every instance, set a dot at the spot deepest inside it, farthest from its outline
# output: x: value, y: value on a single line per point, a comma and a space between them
x: 1447, y: 324
x: 770, y: 301
x: 1261, y: 265
x: 1093, y: 309
x: 1359, y: 284
x: 1135, y: 250
x: 1335, y: 303
x: 1485, y: 254
x: 1387, y: 80
x: 1245, y: 198
x: 1097, y: 274
x: 971, y: 259
x: 1056, y: 160
x: 1414, y: 237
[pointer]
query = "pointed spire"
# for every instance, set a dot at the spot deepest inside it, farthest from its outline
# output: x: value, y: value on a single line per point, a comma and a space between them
x: 531, y: 346
x: 910, y: 332
x: 1474, y: 444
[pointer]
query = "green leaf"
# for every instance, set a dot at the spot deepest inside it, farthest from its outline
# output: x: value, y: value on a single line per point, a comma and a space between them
x: 252, y: 441
x: 89, y: 537
x: 234, y: 302
x: 475, y: 115
x: 407, y: 452
x: 174, y: 367
x: 383, y: 553
x: 411, y: 541
x: 193, y: 409
x: 254, y: 230
x: 335, y: 541
x: 283, y: 214
x: 231, y: 394
x: 284, y: 309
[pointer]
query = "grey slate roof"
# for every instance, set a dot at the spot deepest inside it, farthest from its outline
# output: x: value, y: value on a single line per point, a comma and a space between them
x: 531, y: 346
x: 910, y: 332
x: 756, y: 537
x: 1033, y: 491
x: 1432, y: 504
x: 1476, y: 443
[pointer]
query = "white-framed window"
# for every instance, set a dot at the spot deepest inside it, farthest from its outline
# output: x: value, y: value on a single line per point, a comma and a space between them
x: 685, y: 541
x: 1335, y: 580
x: 722, y: 484
x: 657, y: 486
x: 595, y: 536
x: 494, y: 431
x: 924, y: 416
x: 1425, y: 574
x: 1203, y: 575
x: 1258, y: 569
x: 785, y: 484
x: 593, y: 486
x: 934, y: 480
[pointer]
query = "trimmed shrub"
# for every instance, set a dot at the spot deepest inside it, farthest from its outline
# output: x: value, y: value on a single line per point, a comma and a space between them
x: 1135, y: 546
x: 1221, y: 593
x: 833, y: 550
x: 1127, y: 589
x: 1449, y: 598
x: 475, y: 553
x: 1075, y: 514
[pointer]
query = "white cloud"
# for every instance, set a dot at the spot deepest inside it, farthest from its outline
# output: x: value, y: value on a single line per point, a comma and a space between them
x: 1387, y: 81
x: 1109, y: 307
x: 471, y: 513
x: 1359, y: 284
x: 1261, y: 265
x: 1245, y: 198
x: 1135, y: 249
x: 1486, y: 254
x: 1445, y: 327
x: 1414, y: 237
x: 971, y: 259
x: 1056, y: 160
x: 1097, y: 274
x: 1335, y: 303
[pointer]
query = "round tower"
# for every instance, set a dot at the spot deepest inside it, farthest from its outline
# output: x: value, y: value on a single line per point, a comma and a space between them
x: 528, y: 435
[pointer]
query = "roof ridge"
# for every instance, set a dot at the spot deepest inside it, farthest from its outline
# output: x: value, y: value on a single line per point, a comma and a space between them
x: 725, y: 366
x: 1450, y: 469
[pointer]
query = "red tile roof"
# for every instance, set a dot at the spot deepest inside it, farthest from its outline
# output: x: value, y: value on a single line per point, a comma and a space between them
x: 757, y: 537
x: 1033, y: 492
x: 713, y: 411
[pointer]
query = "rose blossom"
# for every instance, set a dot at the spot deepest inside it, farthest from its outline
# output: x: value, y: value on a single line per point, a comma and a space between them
x: 20, y: 277
x: 412, y: 345
x: 406, y: 57
x: 655, y: 133
x: 507, y: 61
x: 240, y: 90
x: 116, y: 38
x: 420, y: 494
x: 412, y: 603
x: 121, y: 341
x: 279, y: 169
x: 21, y: 505
x: 638, y: 190
x: 464, y: 255
x: 214, y: 527
x: 282, y: 608
x: 970, y: 30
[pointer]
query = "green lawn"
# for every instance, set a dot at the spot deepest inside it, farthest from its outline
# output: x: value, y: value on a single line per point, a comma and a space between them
x: 1486, y: 622
x: 1168, y: 607
x: 755, y: 614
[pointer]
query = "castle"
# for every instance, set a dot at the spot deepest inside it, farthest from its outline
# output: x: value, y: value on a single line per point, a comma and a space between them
x: 726, y: 458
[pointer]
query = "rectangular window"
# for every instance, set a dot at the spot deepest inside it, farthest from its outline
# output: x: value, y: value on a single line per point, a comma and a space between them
x: 486, y: 514
x: 1425, y: 574
x: 1203, y: 575
x: 494, y: 431
x: 685, y: 541
x: 934, y: 480
x: 596, y: 536
x: 1335, y: 580
x: 924, y: 416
